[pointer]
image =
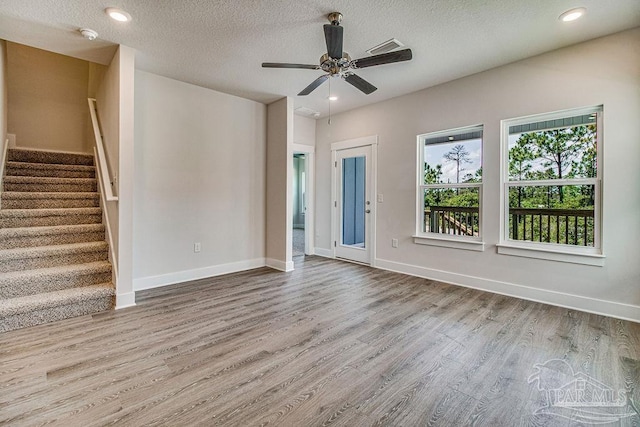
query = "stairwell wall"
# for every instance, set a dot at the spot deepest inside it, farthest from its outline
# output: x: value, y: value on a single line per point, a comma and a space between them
x: 47, y: 100
x: 115, y: 99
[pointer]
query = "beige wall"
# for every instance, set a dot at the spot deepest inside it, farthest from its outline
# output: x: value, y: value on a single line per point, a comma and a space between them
x: 199, y: 176
x: 47, y: 100
x: 279, y: 184
x: 603, y: 71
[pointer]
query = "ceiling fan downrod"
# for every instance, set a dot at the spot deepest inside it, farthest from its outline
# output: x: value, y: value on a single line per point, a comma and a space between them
x: 335, y: 18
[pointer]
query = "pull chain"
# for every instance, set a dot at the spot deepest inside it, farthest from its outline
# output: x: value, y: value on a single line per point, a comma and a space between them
x: 329, y: 99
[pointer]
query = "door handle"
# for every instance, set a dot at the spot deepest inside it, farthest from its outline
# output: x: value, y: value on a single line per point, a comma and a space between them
x: 367, y: 211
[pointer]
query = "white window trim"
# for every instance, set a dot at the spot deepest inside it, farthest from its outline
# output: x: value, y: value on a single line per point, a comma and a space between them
x: 542, y: 250
x: 438, y: 239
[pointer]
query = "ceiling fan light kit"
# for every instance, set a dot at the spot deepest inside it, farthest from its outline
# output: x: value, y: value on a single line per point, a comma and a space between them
x: 337, y: 63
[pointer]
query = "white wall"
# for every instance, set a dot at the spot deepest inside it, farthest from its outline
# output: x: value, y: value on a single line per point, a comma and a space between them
x: 603, y: 71
x: 199, y: 176
x: 47, y: 96
x: 115, y: 99
x: 304, y: 130
x: 279, y: 214
x: 125, y: 292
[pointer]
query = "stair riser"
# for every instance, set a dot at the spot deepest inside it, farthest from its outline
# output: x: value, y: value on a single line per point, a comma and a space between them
x: 49, y: 157
x: 48, y: 173
x: 52, y: 261
x: 39, y: 285
x: 50, y: 203
x: 56, y: 313
x: 52, y: 239
x: 50, y: 220
x: 52, y: 187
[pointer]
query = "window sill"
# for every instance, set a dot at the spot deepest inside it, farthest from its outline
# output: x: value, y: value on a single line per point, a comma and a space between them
x: 596, y: 260
x: 453, y: 243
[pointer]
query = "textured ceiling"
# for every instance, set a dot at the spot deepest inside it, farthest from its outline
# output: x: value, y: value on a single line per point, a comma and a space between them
x: 221, y: 44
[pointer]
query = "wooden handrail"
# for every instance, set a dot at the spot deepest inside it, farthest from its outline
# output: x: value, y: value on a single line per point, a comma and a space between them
x: 103, y: 172
x: 588, y: 213
x: 452, y: 209
x: 3, y: 161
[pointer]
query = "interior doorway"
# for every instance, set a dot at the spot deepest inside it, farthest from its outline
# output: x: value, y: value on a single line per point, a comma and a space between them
x: 302, y: 200
x: 299, y: 203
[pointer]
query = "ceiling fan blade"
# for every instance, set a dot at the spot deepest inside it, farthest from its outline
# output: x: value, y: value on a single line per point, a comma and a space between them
x: 333, y: 37
x: 317, y: 82
x: 284, y: 65
x: 360, y: 83
x: 384, y: 58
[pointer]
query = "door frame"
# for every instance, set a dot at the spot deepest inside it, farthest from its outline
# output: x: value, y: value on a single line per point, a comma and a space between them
x: 335, y: 215
x: 309, y: 218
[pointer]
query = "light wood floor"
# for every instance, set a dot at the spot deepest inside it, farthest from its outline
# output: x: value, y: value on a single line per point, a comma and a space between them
x: 329, y: 344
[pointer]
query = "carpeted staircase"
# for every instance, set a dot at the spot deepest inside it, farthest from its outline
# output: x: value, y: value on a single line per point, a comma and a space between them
x: 53, y: 255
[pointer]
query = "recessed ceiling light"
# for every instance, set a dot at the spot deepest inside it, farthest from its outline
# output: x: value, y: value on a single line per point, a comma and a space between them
x: 333, y: 98
x: 451, y: 138
x: 572, y: 14
x: 118, y: 14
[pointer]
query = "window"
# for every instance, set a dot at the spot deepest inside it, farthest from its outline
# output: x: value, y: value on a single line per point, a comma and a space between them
x: 450, y: 188
x: 552, y: 181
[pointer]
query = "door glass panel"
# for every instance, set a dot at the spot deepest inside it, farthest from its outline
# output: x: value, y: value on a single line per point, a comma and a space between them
x: 353, y: 201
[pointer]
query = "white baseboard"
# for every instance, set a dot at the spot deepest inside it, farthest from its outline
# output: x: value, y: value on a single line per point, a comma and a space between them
x: 125, y: 300
x: 276, y: 264
x: 151, y: 282
x: 324, y: 252
x: 576, y: 302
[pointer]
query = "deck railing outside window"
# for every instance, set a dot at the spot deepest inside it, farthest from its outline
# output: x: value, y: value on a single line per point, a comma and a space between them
x: 562, y: 226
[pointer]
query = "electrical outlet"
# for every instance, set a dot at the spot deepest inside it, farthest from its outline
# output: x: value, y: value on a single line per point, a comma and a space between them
x: 380, y: 198
x: 394, y: 243
x: 196, y: 247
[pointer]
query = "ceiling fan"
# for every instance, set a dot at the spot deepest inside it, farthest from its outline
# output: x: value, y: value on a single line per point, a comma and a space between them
x: 338, y: 63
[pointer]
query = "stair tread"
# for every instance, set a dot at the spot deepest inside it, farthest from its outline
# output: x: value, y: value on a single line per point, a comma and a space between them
x: 49, y: 195
x: 53, y: 157
x: 17, y: 213
x: 30, y: 303
x: 47, y: 180
x: 71, y: 269
x: 6, y: 233
x: 54, y: 166
x: 52, y: 250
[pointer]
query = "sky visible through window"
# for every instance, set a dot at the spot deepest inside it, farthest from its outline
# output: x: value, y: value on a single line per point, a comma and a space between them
x: 434, y: 155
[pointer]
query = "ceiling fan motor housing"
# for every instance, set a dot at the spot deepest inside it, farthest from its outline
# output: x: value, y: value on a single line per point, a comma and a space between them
x: 335, y: 66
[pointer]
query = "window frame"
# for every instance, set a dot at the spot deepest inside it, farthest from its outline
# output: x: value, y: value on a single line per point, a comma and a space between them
x: 474, y: 243
x: 590, y: 255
